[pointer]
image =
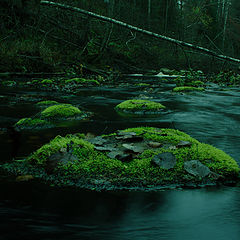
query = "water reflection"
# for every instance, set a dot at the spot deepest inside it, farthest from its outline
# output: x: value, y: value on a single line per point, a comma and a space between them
x: 194, y: 214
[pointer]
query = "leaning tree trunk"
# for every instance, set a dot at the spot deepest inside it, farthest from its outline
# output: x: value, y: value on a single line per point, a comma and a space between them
x: 154, y: 35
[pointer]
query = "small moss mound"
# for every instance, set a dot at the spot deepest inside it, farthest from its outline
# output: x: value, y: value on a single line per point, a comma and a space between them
x: 137, y: 106
x: 60, y: 111
x: 51, y: 115
x: 143, y: 84
x: 136, y: 158
x: 29, y: 123
x: 47, y: 81
x: 82, y: 81
x: 187, y: 89
x: 46, y: 103
x: 197, y: 83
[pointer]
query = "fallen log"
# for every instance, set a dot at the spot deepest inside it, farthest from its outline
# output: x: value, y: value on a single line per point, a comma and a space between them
x: 133, y: 28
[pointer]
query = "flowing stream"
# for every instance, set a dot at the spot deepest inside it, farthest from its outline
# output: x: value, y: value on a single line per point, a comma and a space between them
x: 30, y: 211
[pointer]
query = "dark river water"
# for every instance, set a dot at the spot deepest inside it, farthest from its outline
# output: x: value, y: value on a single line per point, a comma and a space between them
x: 30, y: 211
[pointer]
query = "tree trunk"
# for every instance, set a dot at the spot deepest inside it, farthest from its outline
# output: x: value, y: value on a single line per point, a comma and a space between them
x: 154, y: 35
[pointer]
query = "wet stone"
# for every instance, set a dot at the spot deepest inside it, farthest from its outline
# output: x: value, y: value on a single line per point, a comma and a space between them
x: 124, y: 157
x: 154, y: 144
x: 59, y: 157
x: 97, y: 141
x: 184, y: 144
x: 109, y: 147
x: 114, y: 154
x: 133, y: 147
x: 126, y: 134
x: 164, y: 160
x: 129, y: 137
x: 196, y: 168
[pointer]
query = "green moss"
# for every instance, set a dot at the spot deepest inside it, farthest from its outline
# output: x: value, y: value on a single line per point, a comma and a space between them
x: 143, y: 84
x: 30, y: 123
x: 46, y: 81
x: 47, y: 103
x: 136, y: 105
x: 90, y: 164
x: 60, y: 111
x: 35, y: 81
x: 195, y: 83
x: 82, y: 81
x: 40, y: 156
x: 187, y: 89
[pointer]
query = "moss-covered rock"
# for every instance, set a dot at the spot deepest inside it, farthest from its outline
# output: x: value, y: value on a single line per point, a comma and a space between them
x: 82, y: 81
x: 47, y: 81
x: 187, y: 89
x: 52, y: 115
x: 143, y: 84
x: 46, y: 103
x: 136, y: 158
x: 60, y: 111
x: 197, y: 83
x: 137, y: 106
x: 29, y: 123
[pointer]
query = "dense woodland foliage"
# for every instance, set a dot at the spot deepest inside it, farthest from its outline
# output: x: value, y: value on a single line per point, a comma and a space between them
x: 39, y: 38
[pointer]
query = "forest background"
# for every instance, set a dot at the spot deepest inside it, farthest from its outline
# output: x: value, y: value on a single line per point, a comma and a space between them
x: 37, y: 38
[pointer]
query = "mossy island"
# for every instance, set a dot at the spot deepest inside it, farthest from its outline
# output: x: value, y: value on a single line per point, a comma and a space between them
x: 50, y: 115
x: 139, y: 107
x: 143, y: 158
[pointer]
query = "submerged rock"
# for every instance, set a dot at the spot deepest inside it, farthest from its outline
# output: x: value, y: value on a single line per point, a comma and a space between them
x: 124, y: 163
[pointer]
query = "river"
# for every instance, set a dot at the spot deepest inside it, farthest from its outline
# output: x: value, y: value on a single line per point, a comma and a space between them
x: 30, y: 211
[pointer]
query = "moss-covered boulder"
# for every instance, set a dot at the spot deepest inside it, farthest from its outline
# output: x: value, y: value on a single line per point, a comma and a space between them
x: 46, y: 103
x: 47, y: 81
x: 60, y: 111
x: 29, y: 123
x: 138, y: 106
x: 187, y: 89
x: 82, y: 81
x: 138, y: 158
x: 51, y: 115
